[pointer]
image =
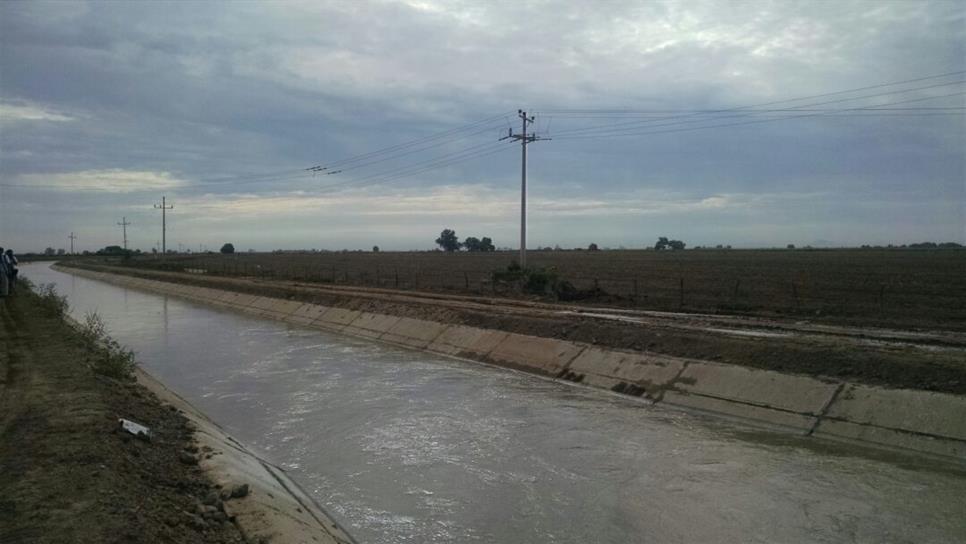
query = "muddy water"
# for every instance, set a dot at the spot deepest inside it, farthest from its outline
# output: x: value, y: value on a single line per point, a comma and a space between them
x: 408, y: 447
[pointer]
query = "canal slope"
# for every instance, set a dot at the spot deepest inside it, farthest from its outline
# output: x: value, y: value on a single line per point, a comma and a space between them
x: 924, y: 422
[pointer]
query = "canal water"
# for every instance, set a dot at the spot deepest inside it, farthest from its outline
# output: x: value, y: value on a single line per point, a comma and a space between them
x: 404, y: 446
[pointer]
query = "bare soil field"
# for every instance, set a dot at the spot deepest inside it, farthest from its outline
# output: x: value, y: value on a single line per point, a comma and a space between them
x: 930, y: 360
x: 67, y: 473
x: 903, y: 288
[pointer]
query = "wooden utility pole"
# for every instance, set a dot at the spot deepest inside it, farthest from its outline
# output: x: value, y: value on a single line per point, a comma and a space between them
x: 72, y: 238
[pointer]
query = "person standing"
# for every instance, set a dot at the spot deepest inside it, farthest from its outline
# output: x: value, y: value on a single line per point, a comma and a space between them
x: 10, y: 261
x: 4, y: 278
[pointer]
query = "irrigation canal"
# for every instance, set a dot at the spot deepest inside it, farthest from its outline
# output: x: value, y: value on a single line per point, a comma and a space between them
x: 404, y: 446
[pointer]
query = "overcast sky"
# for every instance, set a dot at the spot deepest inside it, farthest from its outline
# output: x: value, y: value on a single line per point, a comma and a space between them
x: 105, y: 107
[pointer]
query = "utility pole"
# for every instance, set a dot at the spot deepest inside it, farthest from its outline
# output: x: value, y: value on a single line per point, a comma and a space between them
x: 124, y: 225
x: 524, y: 139
x: 72, y: 238
x: 164, y: 226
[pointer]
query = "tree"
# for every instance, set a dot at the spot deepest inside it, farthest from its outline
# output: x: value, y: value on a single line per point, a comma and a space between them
x: 471, y: 243
x: 112, y: 250
x: 790, y: 246
x: 375, y: 249
x: 228, y: 248
x: 592, y: 247
x: 664, y: 243
x: 448, y: 240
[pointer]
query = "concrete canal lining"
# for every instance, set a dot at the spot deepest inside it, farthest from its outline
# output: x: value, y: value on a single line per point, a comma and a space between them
x: 920, y: 421
x: 275, y: 509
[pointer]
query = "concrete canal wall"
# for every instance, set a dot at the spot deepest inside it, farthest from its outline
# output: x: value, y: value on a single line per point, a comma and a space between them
x: 274, y: 509
x: 919, y: 421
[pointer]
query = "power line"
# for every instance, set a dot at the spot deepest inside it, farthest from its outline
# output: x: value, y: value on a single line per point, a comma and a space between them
x: 416, y: 146
x: 634, y: 131
x: 809, y: 97
x: 432, y: 137
x: 464, y: 155
x: 747, y: 111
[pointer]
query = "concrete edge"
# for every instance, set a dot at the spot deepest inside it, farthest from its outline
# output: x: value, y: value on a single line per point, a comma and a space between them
x: 802, y: 404
x: 276, y: 508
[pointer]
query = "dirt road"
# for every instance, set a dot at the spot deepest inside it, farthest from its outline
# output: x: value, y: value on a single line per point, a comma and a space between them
x: 67, y: 474
x: 915, y: 359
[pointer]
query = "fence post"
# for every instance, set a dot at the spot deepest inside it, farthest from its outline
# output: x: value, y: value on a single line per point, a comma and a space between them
x: 396, y: 273
x: 737, y: 284
x: 466, y: 280
x: 635, y: 289
x: 681, y: 293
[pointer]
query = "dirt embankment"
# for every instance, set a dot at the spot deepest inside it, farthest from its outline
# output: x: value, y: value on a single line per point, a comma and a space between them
x: 67, y: 473
x: 846, y: 356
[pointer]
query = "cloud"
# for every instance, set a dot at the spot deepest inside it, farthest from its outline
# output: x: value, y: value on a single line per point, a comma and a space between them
x: 114, y: 180
x: 476, y: 202
x: 124, y: 97
x: 19, y: 112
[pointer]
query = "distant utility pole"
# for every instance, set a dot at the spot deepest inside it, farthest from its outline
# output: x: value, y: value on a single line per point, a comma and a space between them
x: 124, y: 225
x: 524, y: 139
x: 72, y: 238
x: 164, y: 225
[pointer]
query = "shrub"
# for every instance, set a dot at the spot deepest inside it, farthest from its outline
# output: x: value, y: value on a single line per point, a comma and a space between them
x: 93, y: 329
x: 113, y: 361
x: 536, y: 281
x: 108, y: 357
x: 51, y: 303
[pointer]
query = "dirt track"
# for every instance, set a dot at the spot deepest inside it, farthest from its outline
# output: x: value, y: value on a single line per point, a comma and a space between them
x: 67, y: 474
x: 931, y: 359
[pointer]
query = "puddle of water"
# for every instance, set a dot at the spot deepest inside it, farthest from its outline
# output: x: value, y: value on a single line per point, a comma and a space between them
x: 405, y: 446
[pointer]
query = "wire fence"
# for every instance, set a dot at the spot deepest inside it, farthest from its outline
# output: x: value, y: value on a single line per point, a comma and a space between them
x: 938, y: 296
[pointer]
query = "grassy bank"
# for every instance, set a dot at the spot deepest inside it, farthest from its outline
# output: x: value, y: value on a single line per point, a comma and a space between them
x: 67, y: 472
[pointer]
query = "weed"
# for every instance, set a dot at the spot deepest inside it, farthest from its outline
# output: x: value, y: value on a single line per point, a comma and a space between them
x: 113, y: 361
x: 108, y: 357
x: 93, y: 330
x: 53, y: 304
